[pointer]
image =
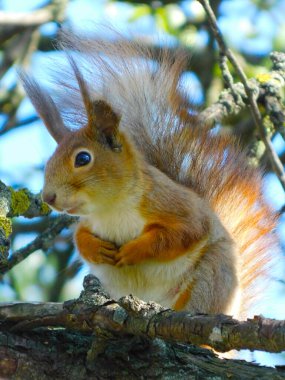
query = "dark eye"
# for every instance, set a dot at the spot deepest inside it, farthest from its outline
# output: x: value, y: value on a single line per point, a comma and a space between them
x: 82, y: 159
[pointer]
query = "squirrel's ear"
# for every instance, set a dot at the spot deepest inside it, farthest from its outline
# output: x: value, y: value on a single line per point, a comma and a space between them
x: 106, y: 122
x: 101, y: 117
x: 45, y: 107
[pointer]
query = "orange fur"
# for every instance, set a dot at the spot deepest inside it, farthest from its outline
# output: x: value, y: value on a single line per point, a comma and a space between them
x: 183, y: 298
x: 93, y: 249
x: 184, y: 294
x: 160, y: 242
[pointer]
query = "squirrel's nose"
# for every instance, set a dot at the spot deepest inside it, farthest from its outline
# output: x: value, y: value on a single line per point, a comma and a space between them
x: 49, y: 198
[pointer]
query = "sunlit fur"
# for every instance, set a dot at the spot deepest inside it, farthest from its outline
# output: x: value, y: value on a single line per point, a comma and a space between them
x: 180, y: 203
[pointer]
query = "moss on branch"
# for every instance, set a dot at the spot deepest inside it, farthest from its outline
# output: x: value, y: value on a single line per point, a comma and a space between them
x: 21, y: 202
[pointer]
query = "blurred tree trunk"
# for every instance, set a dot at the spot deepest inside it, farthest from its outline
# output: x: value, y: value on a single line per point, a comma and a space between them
x: 61, y: 355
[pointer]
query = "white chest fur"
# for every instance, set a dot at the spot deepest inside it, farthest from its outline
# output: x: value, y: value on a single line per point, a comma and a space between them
x: 150, y: 281
x: 118, y: 226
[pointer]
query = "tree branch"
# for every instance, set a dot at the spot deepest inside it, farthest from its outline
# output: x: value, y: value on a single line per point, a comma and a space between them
x: 12, y: 124
x: 35, y: 18
x: 20, y: 34
x: 265, y: 86
x: 251, y: 95
x: 21, y: 202
x: 43, y: 241
x: 53, y: 11
x: 132, y: 316
x: 133, y: 327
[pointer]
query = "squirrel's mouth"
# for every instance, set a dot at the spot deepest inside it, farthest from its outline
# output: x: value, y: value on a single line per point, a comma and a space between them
x: 73, y: 210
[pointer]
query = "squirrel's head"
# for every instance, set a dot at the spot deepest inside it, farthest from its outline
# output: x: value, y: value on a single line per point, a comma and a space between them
x: 92, y: 167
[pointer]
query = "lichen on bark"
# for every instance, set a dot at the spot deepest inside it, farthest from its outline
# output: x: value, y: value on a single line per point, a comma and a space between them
x: 5, y: 232
x: 6, y: 225
x: 20, y: 201
x: 45, y: 210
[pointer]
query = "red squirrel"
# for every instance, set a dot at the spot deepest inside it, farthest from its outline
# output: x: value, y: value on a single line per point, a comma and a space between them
x: 170, y: 210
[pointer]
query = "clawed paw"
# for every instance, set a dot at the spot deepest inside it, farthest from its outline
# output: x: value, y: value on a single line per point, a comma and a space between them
x: 126, y: 256
x: 106, y: 253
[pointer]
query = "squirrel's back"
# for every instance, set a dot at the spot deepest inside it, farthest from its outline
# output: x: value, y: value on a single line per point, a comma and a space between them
x: 146, y: 90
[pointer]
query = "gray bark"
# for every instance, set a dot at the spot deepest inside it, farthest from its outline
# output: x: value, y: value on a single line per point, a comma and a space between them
x: 95, y: 337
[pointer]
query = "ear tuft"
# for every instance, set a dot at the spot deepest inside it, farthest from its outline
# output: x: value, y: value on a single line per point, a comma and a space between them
x: 100, y: 114
x: 82, y: 86
x: 106, y: 121
x: 45, y: 106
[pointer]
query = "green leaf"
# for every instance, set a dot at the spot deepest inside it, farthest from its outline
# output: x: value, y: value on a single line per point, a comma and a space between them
x: 162, y: 19
x: 140, y: 11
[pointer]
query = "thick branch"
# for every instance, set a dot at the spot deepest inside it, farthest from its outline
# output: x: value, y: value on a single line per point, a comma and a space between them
x: 53, y: 11
x: 131, y: 316
x: 58, y: 354
x: 127, y: 340
x: 35, y: 18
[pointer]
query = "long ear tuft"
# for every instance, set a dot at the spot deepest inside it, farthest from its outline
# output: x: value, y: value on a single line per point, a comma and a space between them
x: 45, y: 106
x: 83, y: 88
x: 107, y: 124
x: 103, y: 120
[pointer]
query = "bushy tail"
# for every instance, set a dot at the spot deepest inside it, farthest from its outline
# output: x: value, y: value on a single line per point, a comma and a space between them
x: 144, y: 86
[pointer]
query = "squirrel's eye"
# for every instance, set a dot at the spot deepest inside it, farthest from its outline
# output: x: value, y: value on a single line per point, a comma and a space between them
x: 82, y: 158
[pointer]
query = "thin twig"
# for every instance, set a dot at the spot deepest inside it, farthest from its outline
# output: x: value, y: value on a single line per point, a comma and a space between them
x: 21, y: 203
x: 20, y: 48
x: 13, y: 125
x: 274, y: 159
x: 43, y: 241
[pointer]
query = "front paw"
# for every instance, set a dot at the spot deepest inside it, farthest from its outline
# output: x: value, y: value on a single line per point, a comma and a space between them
x: 96, y: 251
x: 106, y: 253
x: 128, y: 255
